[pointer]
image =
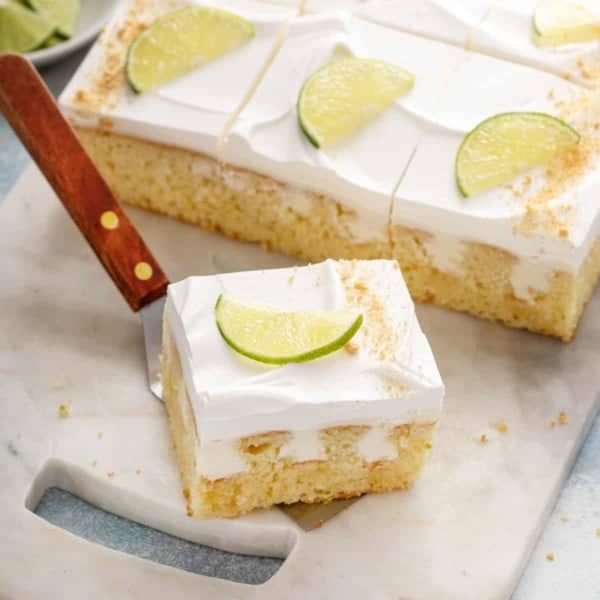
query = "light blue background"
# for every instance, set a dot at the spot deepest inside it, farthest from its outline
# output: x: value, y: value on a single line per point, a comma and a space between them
x: 570, y: 532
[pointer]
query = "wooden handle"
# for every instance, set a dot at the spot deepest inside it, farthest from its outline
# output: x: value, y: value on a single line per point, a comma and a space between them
x: 34, y: 115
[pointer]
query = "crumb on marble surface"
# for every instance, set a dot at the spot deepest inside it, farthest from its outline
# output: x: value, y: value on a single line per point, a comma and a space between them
x: 12, y: 449
x: 564, y: 517
x: 483, y: 439
x: 563, y: 417
x: 110, y: 474
x: 598, y: 532
x: 138, y: 471
x: 64, y: 411
x: 550, y: 556
x: 552, y: 424
x: 93, y: 463
x: 99, y: 435
x: 500, y: 426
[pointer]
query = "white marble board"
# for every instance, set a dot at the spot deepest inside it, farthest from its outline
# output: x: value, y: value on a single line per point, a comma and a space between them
x: 464, y: 531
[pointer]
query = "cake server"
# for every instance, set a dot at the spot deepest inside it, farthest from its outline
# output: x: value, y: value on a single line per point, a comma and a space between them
x: 32, y: 112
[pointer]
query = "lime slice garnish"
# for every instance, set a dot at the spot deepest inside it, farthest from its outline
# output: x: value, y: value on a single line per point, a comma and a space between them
x: 277, y: 337
x: 505, y: 145
x: 346, y: 94
x: 21, y: 29
x: 182, y: 40
x: 558, y: 22
x: 63, y: 13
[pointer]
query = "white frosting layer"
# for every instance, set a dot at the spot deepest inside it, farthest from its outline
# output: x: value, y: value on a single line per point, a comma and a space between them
x: 501, y: 28
x: 481, y: 87
x: 412, y: 145
x: 233, y: 397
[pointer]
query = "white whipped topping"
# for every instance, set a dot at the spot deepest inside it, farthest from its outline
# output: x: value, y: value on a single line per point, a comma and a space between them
x: 411, y: 147
x: 501, y: 28
x: 303, y: 446
x: 528, y: 280
x: 446, y: 253
x: 233, y: 397
x: 376, y: 445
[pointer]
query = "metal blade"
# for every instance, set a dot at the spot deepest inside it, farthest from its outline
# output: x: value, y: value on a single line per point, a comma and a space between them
x: 312, y: 516
x: 152, y: 318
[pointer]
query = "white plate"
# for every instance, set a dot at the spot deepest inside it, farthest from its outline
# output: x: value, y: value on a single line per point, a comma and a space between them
x: 94, y: 15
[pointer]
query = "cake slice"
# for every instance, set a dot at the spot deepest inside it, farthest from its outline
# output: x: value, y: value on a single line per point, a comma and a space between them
x: 249, y: 434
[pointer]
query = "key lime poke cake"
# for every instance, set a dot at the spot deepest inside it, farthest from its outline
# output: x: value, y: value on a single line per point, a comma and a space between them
x: 303, y: 384
x: 460, y: 138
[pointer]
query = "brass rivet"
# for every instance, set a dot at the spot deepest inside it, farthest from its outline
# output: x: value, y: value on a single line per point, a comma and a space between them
x: 143, y: 271
x: 109, y: 220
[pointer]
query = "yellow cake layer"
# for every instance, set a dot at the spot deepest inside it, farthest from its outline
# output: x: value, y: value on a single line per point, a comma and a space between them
x: 250, y: 207
x: 273, y: 480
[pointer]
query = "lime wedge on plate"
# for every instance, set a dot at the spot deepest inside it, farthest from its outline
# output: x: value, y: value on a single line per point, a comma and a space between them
x: 277, y: 337
x: 63, y: 13
x: 182, y: 40
x: 505, y: 145
x: 22, y: 30
x: 346, y: 94
x: 558, y: 22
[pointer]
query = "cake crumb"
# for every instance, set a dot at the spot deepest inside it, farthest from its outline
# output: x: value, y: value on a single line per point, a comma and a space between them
x: 138, y: 471
x: 551, y: 556
x: 99, y: 435
x: 319, y: 524
x: 352, y: 348
x: 64, y: 411
x: 110, y: 474
x: 552, y: 424
x: 563, y: 418
x: 598, y: 532
x: 483, y: 439
x: 500, y: 426
x: 428, y: 445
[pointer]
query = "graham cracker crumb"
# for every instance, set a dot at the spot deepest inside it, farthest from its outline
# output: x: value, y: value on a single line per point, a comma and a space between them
x: 598, y: 532
x: 501, y: 427
x: 110, y: 474
x: 483, y: 439
x: 107, y: 82
x: 551, y: 556
x: 138, y: 471
x: 563, y: 418
x: 105, y: 123
x: 99, y: 435
x: 64, y: 411
x: 352, y: 348
x: 428, y: 445
x: 552, y: 424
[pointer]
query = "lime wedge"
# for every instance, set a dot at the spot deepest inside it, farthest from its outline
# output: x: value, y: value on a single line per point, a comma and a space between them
x: 346, y: 94
x: 276, y: 337
x: 22, y: 30
x: 558, y: 22
x: 505, y: 145
x: 182, y: 40
x: 63, y: 13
